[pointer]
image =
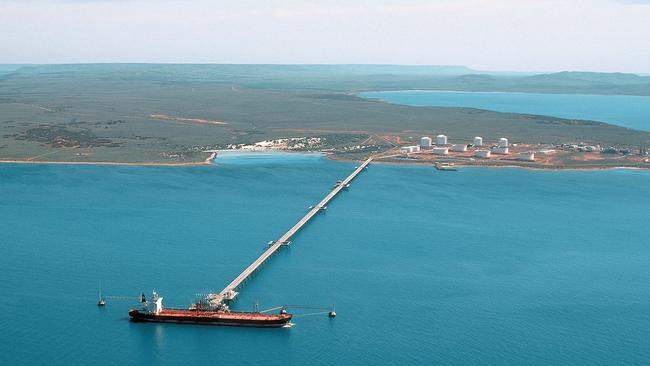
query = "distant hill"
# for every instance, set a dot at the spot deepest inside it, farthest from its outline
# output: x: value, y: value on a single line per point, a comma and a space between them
x: 590, y: 77
x: 6, y: 69
x: 343, y: 78
x: 561, y: 82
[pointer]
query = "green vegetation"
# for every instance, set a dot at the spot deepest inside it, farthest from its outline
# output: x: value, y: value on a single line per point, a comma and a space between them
x: 106, y: 112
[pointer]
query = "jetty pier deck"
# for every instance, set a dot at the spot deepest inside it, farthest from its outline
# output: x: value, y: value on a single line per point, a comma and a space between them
x: 229, y: 292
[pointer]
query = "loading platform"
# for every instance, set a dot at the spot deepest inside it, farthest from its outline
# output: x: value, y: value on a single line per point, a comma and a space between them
x: 230, y: 292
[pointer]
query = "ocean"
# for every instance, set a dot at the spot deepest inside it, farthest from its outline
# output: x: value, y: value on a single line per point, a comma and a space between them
x: 475, y: 267
x: 623, y: 110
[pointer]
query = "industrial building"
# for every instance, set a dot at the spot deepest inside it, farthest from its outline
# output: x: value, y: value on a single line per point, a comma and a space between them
x: 478, y: 141
x: 425, y: 141
x: 501, y: 150
x: 483, y: 154
x: 526, y: 156
x: 440, y: 150
x: 459, y: 147
x: 441, y: 140
x: 409, y: 149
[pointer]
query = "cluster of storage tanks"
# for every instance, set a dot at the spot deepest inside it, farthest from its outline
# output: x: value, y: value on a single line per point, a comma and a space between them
x: 442, y: 147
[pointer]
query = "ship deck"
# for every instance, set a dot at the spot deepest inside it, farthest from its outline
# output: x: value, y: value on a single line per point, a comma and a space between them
x: 221, y: 314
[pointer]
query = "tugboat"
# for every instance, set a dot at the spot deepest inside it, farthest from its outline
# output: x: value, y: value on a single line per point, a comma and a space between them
x: 445, y: 166
x: 209, y: 311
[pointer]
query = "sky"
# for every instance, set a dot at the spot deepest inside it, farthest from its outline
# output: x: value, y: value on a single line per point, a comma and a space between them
x: 494, y: 35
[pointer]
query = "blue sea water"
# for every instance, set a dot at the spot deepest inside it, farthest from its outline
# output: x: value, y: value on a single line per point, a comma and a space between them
x: 477, y: 267
x: 623, y: 110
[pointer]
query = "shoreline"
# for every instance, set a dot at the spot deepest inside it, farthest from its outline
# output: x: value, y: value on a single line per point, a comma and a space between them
x: 115, y: 163
x: 206, y: 162
x: 210, y: 160
x: 547, y: 169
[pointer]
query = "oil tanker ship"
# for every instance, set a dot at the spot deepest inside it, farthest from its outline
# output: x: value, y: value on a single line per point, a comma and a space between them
x: 202, y: 312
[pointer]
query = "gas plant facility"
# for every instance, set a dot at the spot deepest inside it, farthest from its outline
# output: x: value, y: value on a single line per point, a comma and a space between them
x: 442, y: 147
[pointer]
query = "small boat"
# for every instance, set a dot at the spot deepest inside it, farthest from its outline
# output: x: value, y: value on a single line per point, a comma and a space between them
x: 101, y: 301
x: 445, y: 166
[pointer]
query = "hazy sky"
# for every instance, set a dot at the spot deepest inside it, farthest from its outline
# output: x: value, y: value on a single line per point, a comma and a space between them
x: 526, y: 35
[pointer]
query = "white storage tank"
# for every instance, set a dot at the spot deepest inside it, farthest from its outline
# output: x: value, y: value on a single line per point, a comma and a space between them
x: 478, y: 141
x: 484, y: 154
x: 501, y: 150
x: 503, y: 142
x: 415, y: 148
x: 459, y: 147
x: 425, y: 141
x: 441, y: 140
x: 440, y: 151
x: 526, y: 156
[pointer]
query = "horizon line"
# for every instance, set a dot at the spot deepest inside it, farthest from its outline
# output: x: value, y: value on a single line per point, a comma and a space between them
x: 469, y: 68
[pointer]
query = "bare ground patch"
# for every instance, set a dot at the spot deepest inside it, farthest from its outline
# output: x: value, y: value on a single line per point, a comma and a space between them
x: 195, y: 121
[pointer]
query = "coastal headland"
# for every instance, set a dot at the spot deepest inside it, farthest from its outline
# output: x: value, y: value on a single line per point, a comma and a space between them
x: 174, y: 115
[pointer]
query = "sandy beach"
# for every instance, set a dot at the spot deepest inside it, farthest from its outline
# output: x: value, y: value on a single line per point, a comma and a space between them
x: 100, y: 163
x: 207, y: 161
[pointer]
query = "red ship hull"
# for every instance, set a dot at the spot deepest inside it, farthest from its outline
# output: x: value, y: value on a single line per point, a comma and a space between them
x: 235, y: 319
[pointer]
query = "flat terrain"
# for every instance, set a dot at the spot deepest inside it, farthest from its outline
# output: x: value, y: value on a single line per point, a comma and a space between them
x: 173, y: 113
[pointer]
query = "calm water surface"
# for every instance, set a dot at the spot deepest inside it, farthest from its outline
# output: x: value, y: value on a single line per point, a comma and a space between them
x: 482, y: 266
x: 623, y: 110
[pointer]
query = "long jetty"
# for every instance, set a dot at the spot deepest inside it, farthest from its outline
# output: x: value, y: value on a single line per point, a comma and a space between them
x: 229, y: 292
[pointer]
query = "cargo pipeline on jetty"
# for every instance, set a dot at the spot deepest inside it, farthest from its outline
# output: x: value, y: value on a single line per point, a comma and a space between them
x: 214, y: 308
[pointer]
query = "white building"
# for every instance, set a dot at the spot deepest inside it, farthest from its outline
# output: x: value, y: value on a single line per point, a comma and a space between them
x: 501, y: 150
x: 441, y: 140
x: 440, y: 150
x: 484, y: 154
x: 459, y: 147
x: 526, y: 156
x: 409, y: 149
x: 425, y: 141
x: 503, y: 142
x: 478, y: 141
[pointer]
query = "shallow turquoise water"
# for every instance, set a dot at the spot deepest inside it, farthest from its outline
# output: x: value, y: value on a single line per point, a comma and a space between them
x: 482, y: 266
x: 623, y: 110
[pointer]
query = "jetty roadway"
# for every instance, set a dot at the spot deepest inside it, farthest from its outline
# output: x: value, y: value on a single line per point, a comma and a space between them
x: 229, y: 292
